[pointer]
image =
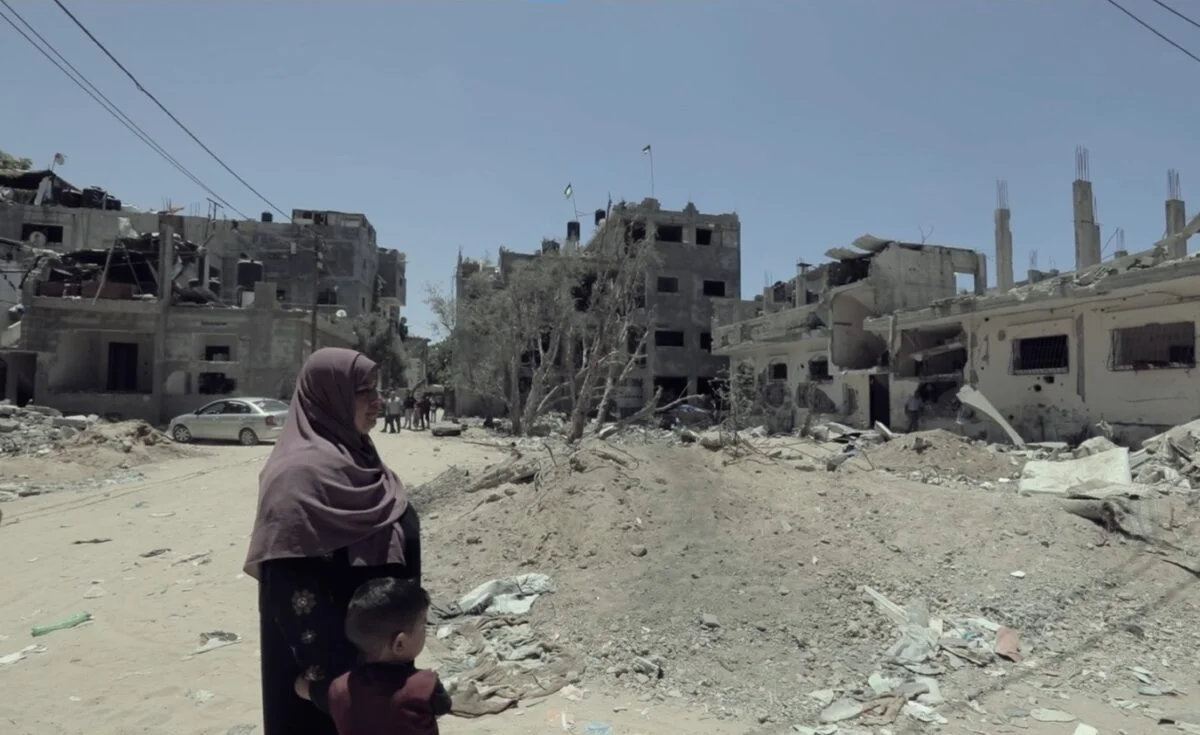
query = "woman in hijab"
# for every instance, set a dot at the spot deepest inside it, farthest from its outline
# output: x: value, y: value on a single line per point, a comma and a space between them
x: 331, y: 515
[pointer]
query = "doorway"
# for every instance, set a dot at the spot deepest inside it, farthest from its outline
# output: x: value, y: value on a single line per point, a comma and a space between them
x: 122, y: 367
x: 880, y: 400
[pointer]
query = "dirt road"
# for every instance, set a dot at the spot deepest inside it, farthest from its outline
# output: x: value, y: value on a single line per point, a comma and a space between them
x: 157, y: 565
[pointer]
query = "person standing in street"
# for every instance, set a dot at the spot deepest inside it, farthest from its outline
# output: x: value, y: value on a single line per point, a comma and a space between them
x: 409, y: 407
x: 391, y: 421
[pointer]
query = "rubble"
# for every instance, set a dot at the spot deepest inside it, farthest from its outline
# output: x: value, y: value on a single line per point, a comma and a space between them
x: 37, y: 429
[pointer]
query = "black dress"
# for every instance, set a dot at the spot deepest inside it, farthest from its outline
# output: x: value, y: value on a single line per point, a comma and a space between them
x: 302, y: 612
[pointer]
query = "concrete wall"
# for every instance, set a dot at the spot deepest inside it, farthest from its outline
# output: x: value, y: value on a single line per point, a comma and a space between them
x: 265, y: 349
x: 801, y: 392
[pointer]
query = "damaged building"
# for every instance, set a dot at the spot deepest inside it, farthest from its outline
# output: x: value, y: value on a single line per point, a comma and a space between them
x: 1108, y: 348
x: 696, y: 263
x: 94, y: 327
x: 1112, y: 345
x: 807, y: 340
x: 324, y: 257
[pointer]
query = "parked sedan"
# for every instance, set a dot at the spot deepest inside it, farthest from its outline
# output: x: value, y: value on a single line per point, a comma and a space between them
x: 245, y: 420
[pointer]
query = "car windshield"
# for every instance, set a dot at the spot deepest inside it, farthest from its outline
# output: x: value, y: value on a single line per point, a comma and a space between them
x: 272, y: 406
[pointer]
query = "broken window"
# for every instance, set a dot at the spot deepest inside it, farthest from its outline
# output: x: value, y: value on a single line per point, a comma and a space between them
x: 1037, y: 355
x: 669, y: 233
x: 714, y: 288
x: 635, y: 232
x: 668, y: 338
x: 673, y: 388
x: 818, y: 369
x: 1154, y: 347
x: 280, y: 295
x: 706, y: 341
x: 218, y: 353
x: 704, y: 236
x: 778, y: 371
x: 215, y: 384
x: 327, y: 297
x: 52, y: 233
x: 667, y: 284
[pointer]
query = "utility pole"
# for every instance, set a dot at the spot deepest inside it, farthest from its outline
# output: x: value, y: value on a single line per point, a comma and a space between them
x: 167, y: 225
x: 318, y: 266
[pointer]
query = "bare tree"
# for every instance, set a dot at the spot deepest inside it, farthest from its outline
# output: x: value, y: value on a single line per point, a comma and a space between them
x: 740, y: 394
x: 562, y: 329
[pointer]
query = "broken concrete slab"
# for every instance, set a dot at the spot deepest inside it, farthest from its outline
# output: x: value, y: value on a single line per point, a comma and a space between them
x: 1044, y: 477
x: 973, y: 398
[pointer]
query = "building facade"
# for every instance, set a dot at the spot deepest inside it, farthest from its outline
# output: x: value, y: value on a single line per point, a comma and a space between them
x: 807, y: 339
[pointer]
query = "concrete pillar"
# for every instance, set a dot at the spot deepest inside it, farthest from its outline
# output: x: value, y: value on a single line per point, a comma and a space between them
x: 1087, y: 233
x: 1004, y: 252
x: 981, y: 282
x: 1176, y: 221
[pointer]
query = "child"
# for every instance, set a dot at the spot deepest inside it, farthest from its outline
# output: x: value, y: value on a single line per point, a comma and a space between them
x: 386, y: 694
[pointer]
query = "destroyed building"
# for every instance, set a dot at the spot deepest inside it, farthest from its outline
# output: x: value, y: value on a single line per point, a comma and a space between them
x: 806, y: 339
x: 696, y: 262
x: 43, y: 210
x: 1108, y: 348
x: 87, y: 280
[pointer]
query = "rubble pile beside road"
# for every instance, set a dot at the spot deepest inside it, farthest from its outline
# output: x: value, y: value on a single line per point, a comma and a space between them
x: 37, y: 429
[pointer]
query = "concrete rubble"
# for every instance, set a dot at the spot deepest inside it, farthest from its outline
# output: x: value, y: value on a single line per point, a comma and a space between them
x: 37, y: 429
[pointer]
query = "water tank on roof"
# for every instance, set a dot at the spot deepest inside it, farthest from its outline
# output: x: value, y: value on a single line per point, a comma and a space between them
x: 93, y: 198
x: 573, y: 230
x: 249, y: 272
x: 600, y: 215
x: 268, y: 217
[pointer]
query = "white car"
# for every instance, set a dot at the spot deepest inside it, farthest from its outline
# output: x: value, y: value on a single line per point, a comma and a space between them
x: 244, y: 420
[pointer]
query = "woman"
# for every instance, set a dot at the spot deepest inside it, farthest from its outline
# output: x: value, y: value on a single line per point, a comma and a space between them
x: 330, y: 516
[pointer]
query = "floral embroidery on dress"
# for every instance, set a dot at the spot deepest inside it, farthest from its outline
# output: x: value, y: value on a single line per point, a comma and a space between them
x: 314, y: 673
x: 307, y: 637
x: 303, y: 602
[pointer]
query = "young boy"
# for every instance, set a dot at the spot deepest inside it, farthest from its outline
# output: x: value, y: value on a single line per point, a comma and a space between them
x: 386, y: 694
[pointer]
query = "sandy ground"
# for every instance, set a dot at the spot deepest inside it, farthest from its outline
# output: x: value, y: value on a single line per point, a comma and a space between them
x: 133, y: 669
x: 159, y: 563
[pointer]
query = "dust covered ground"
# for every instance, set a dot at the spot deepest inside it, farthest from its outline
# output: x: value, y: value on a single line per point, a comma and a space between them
x: 701, y: 591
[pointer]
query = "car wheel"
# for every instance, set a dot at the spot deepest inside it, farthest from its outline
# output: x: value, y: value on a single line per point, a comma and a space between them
x: 181, y: 434
x: 248, y: 438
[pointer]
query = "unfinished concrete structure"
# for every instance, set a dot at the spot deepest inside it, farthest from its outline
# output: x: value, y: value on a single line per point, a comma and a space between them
x: 238, y: 253
x: 807, y: 339
x: 1004, y: 244
x: 1087, y: 232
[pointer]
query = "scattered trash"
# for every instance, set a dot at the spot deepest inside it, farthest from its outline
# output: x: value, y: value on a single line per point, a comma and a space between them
x: 16, y: 656
x: 597, y: 728
x: 213, y: 640
x: 70, y: 621
x: 91, y: 541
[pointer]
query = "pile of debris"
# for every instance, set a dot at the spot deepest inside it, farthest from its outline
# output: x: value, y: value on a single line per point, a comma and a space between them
x: 37, y: 430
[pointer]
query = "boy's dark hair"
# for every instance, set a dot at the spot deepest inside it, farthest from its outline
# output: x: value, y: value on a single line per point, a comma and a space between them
x: 383, y: 608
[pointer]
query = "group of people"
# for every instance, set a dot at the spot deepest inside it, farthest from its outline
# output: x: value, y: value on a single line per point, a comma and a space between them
x: 408, y: 412
x: 336, y: 551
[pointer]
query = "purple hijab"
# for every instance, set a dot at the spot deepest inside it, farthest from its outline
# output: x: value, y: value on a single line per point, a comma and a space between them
x: 324, y: 486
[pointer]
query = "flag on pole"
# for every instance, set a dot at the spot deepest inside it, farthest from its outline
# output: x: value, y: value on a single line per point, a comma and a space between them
x: 567, y: 192
x: 645, y: 149
x: 59, y: 159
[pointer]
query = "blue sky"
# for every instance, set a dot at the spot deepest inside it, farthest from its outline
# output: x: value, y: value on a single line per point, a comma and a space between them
x: 457, y: 124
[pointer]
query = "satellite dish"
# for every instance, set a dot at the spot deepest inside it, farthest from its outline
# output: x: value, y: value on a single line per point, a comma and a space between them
x: 341, y: 314
x: 37, y: 239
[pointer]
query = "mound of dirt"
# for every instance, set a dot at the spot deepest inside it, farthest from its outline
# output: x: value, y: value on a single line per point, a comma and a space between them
x: 739, y: 584
x: 940, y: 457
x: 125, y: 443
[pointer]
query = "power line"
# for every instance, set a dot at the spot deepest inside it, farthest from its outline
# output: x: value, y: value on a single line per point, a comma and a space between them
x: 109, y: 106
x: 1147, y: 26
x: 1175, y: 12
x: 168, y: 113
